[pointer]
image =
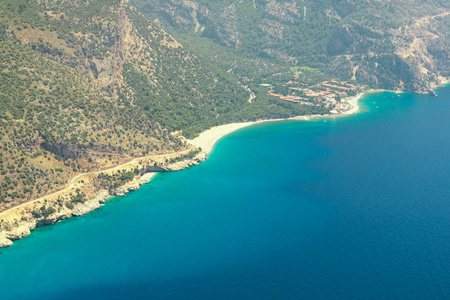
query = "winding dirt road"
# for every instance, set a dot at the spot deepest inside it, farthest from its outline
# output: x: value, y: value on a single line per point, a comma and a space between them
x: 76, y: 178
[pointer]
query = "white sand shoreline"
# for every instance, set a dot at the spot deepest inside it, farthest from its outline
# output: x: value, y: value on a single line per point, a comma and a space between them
x: 207, y: 139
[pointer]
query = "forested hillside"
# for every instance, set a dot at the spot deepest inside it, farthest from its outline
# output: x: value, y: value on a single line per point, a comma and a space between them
x: 386, y: 44
x: 57, y: 119
x: 91, y: 84
x: 87, y: 85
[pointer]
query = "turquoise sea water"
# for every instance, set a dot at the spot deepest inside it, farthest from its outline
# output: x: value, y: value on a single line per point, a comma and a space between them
x: 350, y: 208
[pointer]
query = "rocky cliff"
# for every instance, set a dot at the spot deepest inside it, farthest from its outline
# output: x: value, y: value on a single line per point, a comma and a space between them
x: 18, y: 222
x: 91, y: 84
x: 386, y: 44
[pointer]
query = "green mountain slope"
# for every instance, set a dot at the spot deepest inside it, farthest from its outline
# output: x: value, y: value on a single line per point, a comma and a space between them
x: 386, y: 44
x: 87, y: 85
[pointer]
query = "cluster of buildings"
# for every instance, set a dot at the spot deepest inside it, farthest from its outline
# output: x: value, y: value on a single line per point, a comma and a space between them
x: 292, y: 98
x: 328, y: 93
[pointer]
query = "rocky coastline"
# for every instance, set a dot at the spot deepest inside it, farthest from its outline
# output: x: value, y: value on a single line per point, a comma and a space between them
x: 20, y: 221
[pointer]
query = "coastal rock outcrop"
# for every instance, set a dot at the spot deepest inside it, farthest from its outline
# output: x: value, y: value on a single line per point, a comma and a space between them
x: 90, y: 205
x: 20, y: 228
x: 133, y: 185
x: 18, y: 223
x: 186, y: 163
x: 125, y: 189
x: 5, y: 242
x: 19, y: 232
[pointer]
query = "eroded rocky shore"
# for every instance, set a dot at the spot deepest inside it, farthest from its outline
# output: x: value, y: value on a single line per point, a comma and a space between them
x: 20, y: 221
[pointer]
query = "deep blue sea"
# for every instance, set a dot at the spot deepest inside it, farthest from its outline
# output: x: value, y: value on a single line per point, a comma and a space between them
x: 348, y: 208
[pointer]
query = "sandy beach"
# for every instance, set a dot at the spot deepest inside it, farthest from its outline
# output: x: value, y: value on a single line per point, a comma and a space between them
x: 207, y: 139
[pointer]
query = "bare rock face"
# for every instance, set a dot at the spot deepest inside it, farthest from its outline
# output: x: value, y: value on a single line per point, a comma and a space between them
x: 186, y: 163
x: 223, y: 28
x: 5, y: 242
x: 394, y: 45
x: 17, y: 228
x: 287, y: 12
x: 21, y: 228
x: 62, y: 216
x: 136, y: 184
x: 86, y: 207
x: 90, y: 205
x: 125, y: 189
x: 133, y: 185
x: 18, y: 233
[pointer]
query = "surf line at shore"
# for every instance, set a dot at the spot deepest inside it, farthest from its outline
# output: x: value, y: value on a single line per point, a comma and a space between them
x: 206, y: 141
x: 18, y: 221
x: 208, y: 138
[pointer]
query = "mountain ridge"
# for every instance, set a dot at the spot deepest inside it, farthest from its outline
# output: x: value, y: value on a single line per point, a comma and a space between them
x: 90, y: 85
x: 352, y: 39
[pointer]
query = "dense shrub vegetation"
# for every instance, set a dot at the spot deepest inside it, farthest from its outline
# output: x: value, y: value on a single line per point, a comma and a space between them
x: 88, y: 85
